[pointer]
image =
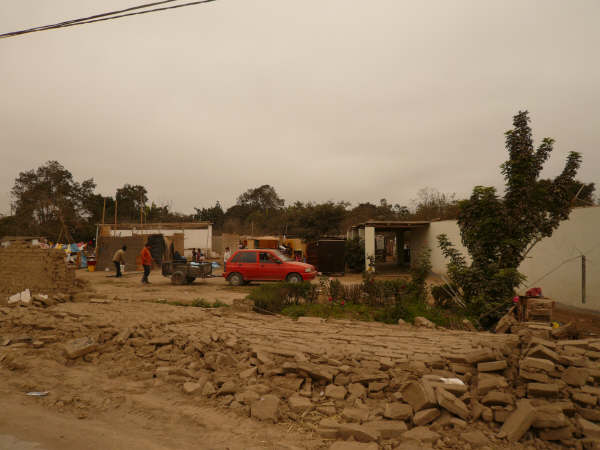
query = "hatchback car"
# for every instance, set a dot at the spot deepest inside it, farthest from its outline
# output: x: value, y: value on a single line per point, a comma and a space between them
x: 265, y: 265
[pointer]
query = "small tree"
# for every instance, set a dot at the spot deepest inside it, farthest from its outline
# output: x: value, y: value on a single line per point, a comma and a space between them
x: 499, y: 232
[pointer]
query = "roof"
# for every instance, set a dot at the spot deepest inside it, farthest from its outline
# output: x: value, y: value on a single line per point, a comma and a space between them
x: 161, y: 226
x: 20, y: 238
x: 394, y: 224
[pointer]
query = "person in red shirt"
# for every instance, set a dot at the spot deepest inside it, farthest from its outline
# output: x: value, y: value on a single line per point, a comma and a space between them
x: 146, y: 262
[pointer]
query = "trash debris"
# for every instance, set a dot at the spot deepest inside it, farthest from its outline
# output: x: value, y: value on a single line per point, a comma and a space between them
x: 38, y: 394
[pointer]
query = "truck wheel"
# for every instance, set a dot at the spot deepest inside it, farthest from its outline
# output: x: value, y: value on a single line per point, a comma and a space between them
x: 235, y: 279
x: 178, y: 277
x: 190, y: 280
x: 294, y: 278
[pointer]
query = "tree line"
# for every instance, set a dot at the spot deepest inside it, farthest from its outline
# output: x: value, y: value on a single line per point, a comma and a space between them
x: 49, y: 201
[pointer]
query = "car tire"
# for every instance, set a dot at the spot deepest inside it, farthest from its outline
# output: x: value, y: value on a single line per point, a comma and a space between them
x: 235, y: 279
x: 178, y: 278
x: 294, y: 278
x: 190, y: 280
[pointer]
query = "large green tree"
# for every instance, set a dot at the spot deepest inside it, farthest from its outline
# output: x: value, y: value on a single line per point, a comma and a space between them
x: 499, y: 231
x: 131, y: 199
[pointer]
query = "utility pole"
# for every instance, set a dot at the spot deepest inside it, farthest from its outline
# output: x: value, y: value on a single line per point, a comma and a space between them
x: 583, y: 279
x: 116, y: 206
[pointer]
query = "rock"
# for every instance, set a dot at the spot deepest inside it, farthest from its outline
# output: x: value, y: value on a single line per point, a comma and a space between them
x: 355, y: 414
x: 468, y: 325
x: 191, y: 388
x: 452, y: 404
x: 481, y: 355
x: 500, y: 415
x: 388, y: 429
x: 342, y: 379
x: 423, y: 322
x: 377, y: 386
x: 475, y: 438
x: 402, y: 322
x: 488, y: 382
x: 542, y: 352
x: 266, y: 408
x: 426, y: 416
x: 344, y: 445
x: 421, y: 434
x: 327, y: 410
x: 357, y: 390
x: 37, y: 344
x: 122, y: 337
x: 540, y: 377
x: 575, y: 376
x: 518, y: 422
x: 588, y: 429
x: 491, y: 366
x: 592, y: 414
x: 247, y: 397
x: 419, y: 395
x: 264, y: 357
x: 398, y: 411
x: 315, y: 371
x: 585, y: 399
x: 208, y: 389
x: 542, y: 390
x: 505, y: 323
x: 335, y: 392
x: 358, y: 432
x: 248, y: 373
x: 79, y: 347
x: 487, y: 414
x: 533, y: 364
x: 497, y: 398
x: 229, y: 387
x: 558, y: 434
x: 549, y: 417
x: 299, y: 404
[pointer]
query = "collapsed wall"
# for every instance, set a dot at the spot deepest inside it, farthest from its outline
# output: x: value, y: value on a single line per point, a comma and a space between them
x: 37, y: 269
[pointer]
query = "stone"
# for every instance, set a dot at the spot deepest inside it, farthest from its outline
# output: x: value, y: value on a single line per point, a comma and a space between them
x: 426, y: 416
x: 423, y: 322
x: 475, y: 438
x: 229, y: 387
x: 487, y: 414
x: 327, y: 410
x: 316, y: 372
x: 79, y: 347
x: 421, y: 434
x: 265, y: 408
x: 355, y: 414
x: 122, y: 337
x: 388, y: 429
x: 542, y: 352
x: 549, y: 417
x: 357, y: 390
x: 247, y: 397
x: 161, y: 340
x: 540, y: 377
x: 557, y: 434
x: 517, y: 424
x: 468, y: 325
x: 419, y: 395
x: 397, y: 411
x: 481, y: 355
x: 585, y: 399
x: 575, y: 376
x: 500, y: 415
x: 191, y: 388
x: 248, y: 373
x: 588, y: 429
x: 335, y: 392
x: 534, y: 364
x: 377, y: 386
x: 359, y: 433
x: 452, y: 404
x: 487, y: 383
x: 264, y: 357
x: 491, y: 366
x: 208, y: 389
x: 344, y: 445
x: 342, y: 379
x: 299, y: 404
x: 542, y: 390
x: 497, y: 398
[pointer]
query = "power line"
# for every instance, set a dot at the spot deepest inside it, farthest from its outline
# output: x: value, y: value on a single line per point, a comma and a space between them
x: 105, y: 16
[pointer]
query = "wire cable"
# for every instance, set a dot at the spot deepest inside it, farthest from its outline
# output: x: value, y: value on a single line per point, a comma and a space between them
x: 105, y: 16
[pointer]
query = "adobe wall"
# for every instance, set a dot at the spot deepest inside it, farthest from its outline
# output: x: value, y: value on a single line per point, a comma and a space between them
x: 109, y: 245
x: 40, y: 270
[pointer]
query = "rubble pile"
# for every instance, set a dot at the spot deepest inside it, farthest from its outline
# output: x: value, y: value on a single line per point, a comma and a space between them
x: 538, y: 390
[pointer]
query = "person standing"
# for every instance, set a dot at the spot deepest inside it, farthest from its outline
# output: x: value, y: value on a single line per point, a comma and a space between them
x: 146, y: 262
x: 226, y: 256
x: 118, y: 259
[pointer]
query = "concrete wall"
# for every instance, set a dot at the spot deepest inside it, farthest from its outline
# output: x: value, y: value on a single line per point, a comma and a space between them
x: 555, y: 259
x: 42, y: 271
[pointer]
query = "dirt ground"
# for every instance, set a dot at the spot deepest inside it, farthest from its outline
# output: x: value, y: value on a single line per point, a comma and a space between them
x: 129, y: 391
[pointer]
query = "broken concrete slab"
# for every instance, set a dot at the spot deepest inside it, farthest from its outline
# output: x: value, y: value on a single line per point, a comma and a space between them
x: 335, y: 392
x: 452, y: 404
x: 388, y: 429
x: 398, y: 411
x: 421, y: 434
x: 359, y: 433
x: 517, y: 423
x: 426, y: 416
x: 419, y: 395
x: 575, y: 376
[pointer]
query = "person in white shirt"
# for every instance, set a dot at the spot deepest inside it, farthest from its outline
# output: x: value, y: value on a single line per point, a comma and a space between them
x: 226, y: 256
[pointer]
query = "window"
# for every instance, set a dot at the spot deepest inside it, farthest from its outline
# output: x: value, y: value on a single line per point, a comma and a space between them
x: 245, y: 257
x: 266, y: 258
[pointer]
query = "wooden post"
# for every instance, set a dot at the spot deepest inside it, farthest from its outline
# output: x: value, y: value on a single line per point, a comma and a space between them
x: 103, y: 210
x: 583, y: 279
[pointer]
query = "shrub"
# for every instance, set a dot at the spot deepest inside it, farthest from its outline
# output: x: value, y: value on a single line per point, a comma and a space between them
x: 355, y: 255
x: 274, y: 297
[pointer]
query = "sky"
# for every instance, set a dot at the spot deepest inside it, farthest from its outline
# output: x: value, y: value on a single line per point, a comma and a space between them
x: 324, y: 100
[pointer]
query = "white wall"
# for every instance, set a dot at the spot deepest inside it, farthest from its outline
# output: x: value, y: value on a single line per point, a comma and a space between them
x: 192, y: 238
x: 554, y: 264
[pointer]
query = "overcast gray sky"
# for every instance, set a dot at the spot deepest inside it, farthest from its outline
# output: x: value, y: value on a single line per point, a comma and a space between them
x: 323, y: 99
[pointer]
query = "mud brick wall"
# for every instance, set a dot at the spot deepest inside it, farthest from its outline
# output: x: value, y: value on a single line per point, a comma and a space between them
x: 39, y: 270
x: 109, y: 245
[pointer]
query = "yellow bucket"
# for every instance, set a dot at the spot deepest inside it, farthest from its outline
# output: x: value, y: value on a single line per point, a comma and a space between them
x: 91, y: 268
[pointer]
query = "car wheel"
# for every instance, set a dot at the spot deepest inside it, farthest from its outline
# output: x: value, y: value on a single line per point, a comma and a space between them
x: 235, y: 279
x: 294, y: 278
x: 190, y: 280
x: 178, y: 278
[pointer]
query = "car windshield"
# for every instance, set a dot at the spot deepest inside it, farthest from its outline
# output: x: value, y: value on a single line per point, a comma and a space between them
x: 281, y: 256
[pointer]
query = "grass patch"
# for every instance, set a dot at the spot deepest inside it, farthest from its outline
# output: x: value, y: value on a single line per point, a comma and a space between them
x: 352, y: 312
x: 198, y: 303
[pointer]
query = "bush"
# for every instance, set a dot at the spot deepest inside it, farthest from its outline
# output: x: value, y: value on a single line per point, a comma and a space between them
x: 355, y: 255
x: 275, y: 297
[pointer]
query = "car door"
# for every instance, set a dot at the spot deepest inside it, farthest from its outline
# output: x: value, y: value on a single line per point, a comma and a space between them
x: 269, y: 266
x: 247, y: 265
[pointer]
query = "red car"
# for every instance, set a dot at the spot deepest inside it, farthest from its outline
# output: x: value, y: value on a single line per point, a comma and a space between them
x: 265, y: 265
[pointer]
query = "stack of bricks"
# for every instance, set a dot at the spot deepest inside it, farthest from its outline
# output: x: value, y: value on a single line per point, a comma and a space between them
x: 39, y: 270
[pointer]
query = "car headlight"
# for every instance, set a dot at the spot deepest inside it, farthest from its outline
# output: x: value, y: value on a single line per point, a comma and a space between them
x: 308, y: 270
